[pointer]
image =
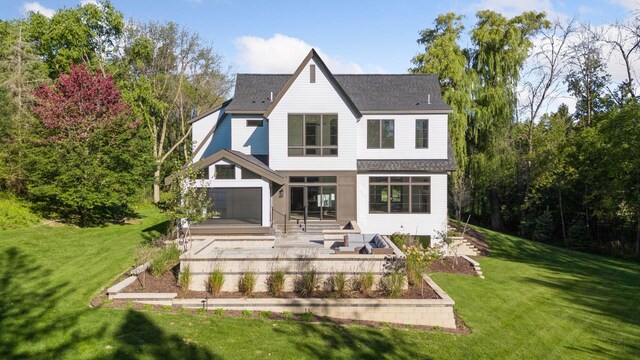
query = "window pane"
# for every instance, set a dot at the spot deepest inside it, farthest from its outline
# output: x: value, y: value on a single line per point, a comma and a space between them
x: 328, y: 179
x: 399, y: 198
x: 254, y: 123
x: 225, y: 171
x: 373, y: 134
x: 203, y: 173
x: 400, y: 179
x: 248, y: 174
x: 379, y: 179
x: 387, y: 134
x: 296, y: 179
x: 421, y: 179
x: 295, y: 152
x: 378, y: 197
x: 422, y: 134
x: 420, y: 199
x: 312, y: 130
x: 329, y: 151
x: 329, y: 130
x: 309, y: 151
x: 295, y: 130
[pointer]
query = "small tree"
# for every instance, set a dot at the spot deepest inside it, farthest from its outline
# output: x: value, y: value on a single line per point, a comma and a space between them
x: 143, y: 254
x: 185, y: 198
x: 86, y: 160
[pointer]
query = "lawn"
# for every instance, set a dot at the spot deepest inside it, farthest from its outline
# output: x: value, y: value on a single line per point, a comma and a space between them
x: 537, y: 301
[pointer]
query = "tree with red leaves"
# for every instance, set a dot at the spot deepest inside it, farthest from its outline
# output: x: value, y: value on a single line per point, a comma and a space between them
x: 88, y: 160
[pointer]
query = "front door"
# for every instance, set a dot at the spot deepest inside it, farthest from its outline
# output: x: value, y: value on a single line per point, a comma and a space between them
x: 319, y: 200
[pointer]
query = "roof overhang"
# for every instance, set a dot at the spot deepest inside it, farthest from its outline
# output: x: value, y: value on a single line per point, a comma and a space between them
x: 401, y: 112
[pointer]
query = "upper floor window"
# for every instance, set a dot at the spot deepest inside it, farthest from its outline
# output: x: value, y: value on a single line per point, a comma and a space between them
x: 380, y: 134
x: 225, y: 172
x: 313, y: 134
x: 254, y: 123
x: 422, y: 134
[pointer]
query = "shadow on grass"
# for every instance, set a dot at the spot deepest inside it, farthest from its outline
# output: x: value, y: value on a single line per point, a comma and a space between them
x: 593, y: 284
x: 155, y: 232
x: 30, y: 316
x: 365, y: 343
x: 139, y: 337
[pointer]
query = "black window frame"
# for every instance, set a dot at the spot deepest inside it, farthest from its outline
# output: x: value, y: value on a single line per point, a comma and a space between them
x: 379, y: 124
x: 412, y: 182
x: 255, y: 123
x: 320, y: 150
x: 424, y: 135
x: 229, y: 167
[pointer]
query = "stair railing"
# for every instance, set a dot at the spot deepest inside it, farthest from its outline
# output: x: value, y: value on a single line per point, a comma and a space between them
x: 284, y: 218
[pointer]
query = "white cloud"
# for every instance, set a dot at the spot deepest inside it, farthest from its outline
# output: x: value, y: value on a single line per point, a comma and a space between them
x: 283, y: 54
x: 628, y: 4
x: 85, y: 2
x: 512, y: 8
x: 37, y: 8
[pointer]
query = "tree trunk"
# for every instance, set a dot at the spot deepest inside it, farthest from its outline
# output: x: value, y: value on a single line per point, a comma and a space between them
x: 496, y: 218
x: 156, y: 185
x: 564, y: 232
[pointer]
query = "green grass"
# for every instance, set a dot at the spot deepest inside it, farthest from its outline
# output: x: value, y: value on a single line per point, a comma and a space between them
x: 536, y: 302
x: 15, y: 213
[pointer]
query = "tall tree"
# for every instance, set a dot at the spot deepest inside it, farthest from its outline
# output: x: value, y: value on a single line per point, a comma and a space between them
x: 20, y: 73
x: 167, y: 73
x: 587, y: 80
x: 446, y: 59
x: 89, y: 160
x: 89, y: 33
x: 501, y: 47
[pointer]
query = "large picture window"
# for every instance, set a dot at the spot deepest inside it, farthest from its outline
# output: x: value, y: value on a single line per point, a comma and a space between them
x: 313, y: 134
x: 400, y: 194
x: 422, y: 134
x: 225, y: 172
x: 380, y: 134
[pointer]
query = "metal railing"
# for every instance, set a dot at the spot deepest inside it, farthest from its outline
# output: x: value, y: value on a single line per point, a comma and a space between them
x: 284, y: 218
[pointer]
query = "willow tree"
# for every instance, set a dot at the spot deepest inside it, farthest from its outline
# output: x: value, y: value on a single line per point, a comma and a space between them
x: 446, y: 59
x: 501, y: 46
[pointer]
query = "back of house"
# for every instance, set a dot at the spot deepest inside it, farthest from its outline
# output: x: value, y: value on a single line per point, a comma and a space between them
x: 371, y: 149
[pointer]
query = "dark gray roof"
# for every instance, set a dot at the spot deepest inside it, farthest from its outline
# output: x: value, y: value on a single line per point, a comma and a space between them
x: 409, y: 92
x: 422, y: 165
x: 253, y: 91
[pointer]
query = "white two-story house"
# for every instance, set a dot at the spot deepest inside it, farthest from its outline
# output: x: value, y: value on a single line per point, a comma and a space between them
x: 367, y: 148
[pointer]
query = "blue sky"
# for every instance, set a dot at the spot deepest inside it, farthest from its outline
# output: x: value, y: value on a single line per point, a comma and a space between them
x: 352, y: 36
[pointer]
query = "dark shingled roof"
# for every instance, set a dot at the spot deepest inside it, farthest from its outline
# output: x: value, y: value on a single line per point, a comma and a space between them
x: 425, y: 165
x: 409, y: 92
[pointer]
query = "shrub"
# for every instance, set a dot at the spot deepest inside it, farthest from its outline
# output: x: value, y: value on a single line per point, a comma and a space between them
x: 215, y: 281
x: 166, y: 258
x: 219, y: 311
x: 287, y: 315
x: 337, y: 284
x: 363, y: 283
x: 184, y: 280
x: 400, y: 239
x: 393, y: 284
x: 247, y: 283
x: 246, y: 313
x: 265, y: 314
x: 307, y: 283
x: 307, y: 316
x: 275, y: 282
x: 543, y: 229
x: 417, y: 260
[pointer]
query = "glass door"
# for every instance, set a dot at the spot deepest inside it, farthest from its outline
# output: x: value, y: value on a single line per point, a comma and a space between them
x: 320, y: 202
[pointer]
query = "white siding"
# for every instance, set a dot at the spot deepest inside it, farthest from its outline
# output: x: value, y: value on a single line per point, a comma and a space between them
x: 200, y: 128
x: 405, y: 138
x: 415, y: 224
x: 249, y: 140
x: 305, y: 97
x: 221, y: 138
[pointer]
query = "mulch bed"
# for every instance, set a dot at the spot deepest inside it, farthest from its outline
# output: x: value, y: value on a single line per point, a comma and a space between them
x: 461, y: 327
x: 448, y: 265
x: 167, y: 283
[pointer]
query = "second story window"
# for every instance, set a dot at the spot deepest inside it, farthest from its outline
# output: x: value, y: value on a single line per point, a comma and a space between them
x: 313, y: 135
x: 254, y: 123
x: 422, y: 134
x: 380, y: 134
